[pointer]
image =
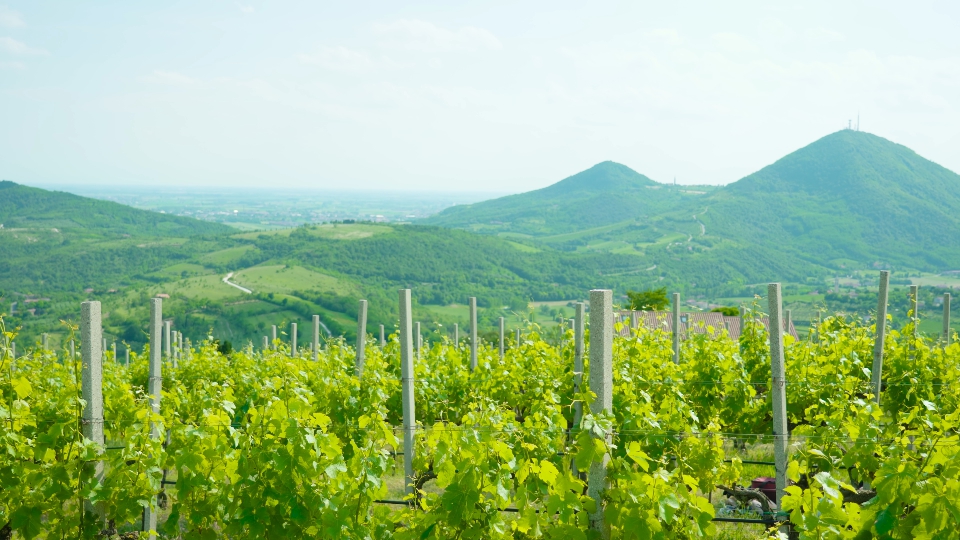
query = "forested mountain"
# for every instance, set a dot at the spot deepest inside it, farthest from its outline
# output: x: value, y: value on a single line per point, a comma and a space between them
x: 29, y: 208
x: 604, y: 194
x: 848, y: 196
x: 848, y: 199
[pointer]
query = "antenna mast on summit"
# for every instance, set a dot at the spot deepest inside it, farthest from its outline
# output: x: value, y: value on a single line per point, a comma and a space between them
x: 858, y: 120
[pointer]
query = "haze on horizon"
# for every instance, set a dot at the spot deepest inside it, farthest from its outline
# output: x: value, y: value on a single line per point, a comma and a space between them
x: 481, y: 96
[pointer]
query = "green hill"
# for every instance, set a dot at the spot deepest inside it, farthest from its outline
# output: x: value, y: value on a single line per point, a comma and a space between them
x: 848, y: 200
x: 60, y: 249
x: 848, y: 196
x: 602, y: 195
x: 29, y: 208
x: 58, y: 242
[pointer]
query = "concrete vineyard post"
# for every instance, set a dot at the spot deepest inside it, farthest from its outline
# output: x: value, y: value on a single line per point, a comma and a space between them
x: 154, y: 388
x: 406, y: 381
x: 43, y: 341
x: 676, y: 328
x: 266, y: 343
x: 518, y: 338
x: 91, y: 341
x: 126, y: 355
x: 273, y: 337
x: 787, y: 320
x: 877, y: 370
x: 361, y: 335
x: 113, y: 349
x: 293, y: 339
x: 778, y: 388
x: 456, y: 335
x: 578, y: 331
x: 103, y: 347
x: 316, y: 338
x: 383, y: 337
x: 501, y: 339
x: 634, y: 321
x: 473, y: 333
x: 601, y: 383
x: 947, y: 334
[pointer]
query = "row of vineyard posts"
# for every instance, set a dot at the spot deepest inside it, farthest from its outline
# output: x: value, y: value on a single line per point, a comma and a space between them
x: 602, y: 323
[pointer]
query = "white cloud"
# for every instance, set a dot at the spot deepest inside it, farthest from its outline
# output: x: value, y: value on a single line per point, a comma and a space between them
x: 10, y: 18
x: 424, y: 36
x: 339, y: 59
x: 822, y: 35
x: 168, y: 77
x: 734, y: 43
x: 246, y: 9
x: 13, y: 46
x: 666, y: 36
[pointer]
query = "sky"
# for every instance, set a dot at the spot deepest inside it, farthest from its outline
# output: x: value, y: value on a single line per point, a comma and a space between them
x: 460, y: 96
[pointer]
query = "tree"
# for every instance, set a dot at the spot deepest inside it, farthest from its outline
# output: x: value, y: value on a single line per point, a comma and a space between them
x: 648, y: 300
x: 729, y: 311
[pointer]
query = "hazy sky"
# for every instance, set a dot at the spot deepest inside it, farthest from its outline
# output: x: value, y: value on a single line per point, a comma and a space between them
x: 498, y: 96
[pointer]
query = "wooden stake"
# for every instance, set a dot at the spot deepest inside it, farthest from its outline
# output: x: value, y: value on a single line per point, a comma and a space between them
x: 578, y: 332
x: 154, y: 389
x: 316, y: 338
x: 361, y: 336
x: 676, y: 327
x: 293, y: 339
x: 91, y: 342
x: 881, y: 334
x: 501, y: 339
x: 601, y: 383
x: 778, y: 389
x: 406, y: 381
x: 474, y: 338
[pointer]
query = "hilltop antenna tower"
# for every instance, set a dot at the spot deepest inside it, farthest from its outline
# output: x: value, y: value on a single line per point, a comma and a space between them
x: 858, y: 120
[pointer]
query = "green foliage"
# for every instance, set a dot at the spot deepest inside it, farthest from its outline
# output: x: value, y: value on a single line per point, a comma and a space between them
x: 728, y: 311
x: 273, y: 445
x: 648, y: 300
x: 605, y: 193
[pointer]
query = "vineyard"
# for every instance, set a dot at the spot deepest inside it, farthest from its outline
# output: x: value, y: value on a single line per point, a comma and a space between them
x: 595, y: 434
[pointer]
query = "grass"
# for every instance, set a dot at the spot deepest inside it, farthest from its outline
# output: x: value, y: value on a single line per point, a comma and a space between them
x: 225, y: 256
x: 177, y: 271
x: 287, y: 279
x: 332, y: 231
x: 348, y: 231
x: 209, y: 286
x: 257, y: 234
x: 523, y: 247
x: 936, y: 280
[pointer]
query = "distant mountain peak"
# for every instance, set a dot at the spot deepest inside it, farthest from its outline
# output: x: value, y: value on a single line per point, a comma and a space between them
x: 605, y: 176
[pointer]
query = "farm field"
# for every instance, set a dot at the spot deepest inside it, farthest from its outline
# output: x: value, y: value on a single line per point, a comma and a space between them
x: 424, y: 443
